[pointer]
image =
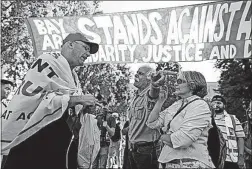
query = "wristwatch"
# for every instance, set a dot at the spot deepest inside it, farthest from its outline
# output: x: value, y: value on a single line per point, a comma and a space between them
x: 241, y: 155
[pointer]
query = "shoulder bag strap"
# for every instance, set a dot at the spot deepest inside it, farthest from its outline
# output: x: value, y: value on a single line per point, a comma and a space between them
x: 182, y: 109
x: 233, y: 123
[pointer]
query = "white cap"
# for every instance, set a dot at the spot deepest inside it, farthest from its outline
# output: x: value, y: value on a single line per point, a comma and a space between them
x: 115, y: 114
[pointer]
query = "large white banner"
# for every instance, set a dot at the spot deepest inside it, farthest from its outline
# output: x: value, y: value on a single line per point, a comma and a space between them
x: 218, y: 30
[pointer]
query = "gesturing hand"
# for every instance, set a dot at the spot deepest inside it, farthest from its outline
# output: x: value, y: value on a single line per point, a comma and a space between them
x: 241, y: 161
x: 88, y: 100
x: 105, y: 123
x: 157, y: 79
x: 163, y: 95
x: 166, y: 138
x: 85, y: 100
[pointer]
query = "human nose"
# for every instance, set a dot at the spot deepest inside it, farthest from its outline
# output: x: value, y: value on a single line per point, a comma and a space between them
x: 175, y: 84
x: 7, y: 91
x: 214, y: 106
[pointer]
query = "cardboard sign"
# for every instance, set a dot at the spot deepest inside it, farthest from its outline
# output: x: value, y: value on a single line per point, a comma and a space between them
x: 219, y: 30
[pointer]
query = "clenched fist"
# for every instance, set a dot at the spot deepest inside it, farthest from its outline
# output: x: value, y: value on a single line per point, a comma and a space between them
x: 85, y: 100
x: 158, y: 79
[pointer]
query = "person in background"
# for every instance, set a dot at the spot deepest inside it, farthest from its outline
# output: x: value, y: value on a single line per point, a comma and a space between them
x: 6, y: 88
x: 185, y: 124
x: 247, y: 131
x: 115, y: 144
x: 126, y: 148
x: 89, y: 137
x: 107, y: 124
x: 232, y: 131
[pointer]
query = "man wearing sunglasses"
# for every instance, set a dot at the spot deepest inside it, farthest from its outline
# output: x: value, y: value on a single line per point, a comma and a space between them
x: 143, y: 141
x: 36, y: 133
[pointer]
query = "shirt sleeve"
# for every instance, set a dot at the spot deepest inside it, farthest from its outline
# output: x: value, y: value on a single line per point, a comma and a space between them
x: 165, y: 116
x: 159, y: 122
x: 196, y: 119
x: 239, y: 130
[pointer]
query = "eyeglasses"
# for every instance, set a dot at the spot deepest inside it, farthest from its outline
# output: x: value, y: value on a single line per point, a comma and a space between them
x: 86, y: 47
x: 180, y: 81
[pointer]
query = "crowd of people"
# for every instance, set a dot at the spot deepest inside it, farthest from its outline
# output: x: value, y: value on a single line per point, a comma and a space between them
x: 71, y: 130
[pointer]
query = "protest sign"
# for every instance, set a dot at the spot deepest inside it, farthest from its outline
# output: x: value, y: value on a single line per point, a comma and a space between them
x: 218, y: 30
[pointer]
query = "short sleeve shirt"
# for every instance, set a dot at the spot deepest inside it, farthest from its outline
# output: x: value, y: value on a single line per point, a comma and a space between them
x: 138, y: 113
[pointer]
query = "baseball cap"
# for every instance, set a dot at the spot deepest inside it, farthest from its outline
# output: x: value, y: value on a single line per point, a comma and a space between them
x: 108, y: 110
x: 219, y: 98
x: 94, y: 47
x: 5, y: 81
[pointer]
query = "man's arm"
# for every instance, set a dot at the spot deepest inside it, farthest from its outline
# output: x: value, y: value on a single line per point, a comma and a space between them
x: 111, y: 130
x: 125, y: 130
x: 240, y: 142
x: 247, y: 150
x: 110, y: 126
x: 154, y: 91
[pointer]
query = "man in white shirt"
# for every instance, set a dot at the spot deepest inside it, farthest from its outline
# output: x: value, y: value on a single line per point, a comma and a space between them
x: 232, y: 131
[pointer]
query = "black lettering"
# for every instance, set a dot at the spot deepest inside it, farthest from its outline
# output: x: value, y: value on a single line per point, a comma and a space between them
x: 21, y: 116
x: 52, y: 73
x: 8, y: 114
x: 28, y: 84
x: 40, y: 67
x: 29, y: 115
x: 4, y: 114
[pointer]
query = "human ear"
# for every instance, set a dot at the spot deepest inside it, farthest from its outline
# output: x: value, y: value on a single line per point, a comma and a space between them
x: 192, y: 86
x: 70, y: 44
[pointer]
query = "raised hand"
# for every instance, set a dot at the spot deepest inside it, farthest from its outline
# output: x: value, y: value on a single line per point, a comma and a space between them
x: 163, y: 95
x: 157, y: 79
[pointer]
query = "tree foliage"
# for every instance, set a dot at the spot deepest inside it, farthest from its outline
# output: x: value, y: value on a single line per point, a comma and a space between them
x: 105, y: 80
x: 235, y: 84
x: 16, y: 45
x: 108, y: 82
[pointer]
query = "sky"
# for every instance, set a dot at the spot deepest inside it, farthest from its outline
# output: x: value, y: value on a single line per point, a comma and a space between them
x: 205, y: 67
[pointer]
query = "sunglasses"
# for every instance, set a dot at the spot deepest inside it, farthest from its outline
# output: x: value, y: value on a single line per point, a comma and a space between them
x: 180, y: 81
x: 86, y: 47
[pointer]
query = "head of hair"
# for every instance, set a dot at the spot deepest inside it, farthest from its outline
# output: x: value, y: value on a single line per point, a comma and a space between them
x: 148, y: 70
x: 197, y: 83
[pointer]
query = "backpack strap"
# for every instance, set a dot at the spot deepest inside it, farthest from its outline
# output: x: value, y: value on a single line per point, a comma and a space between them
x: 233, y: 123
